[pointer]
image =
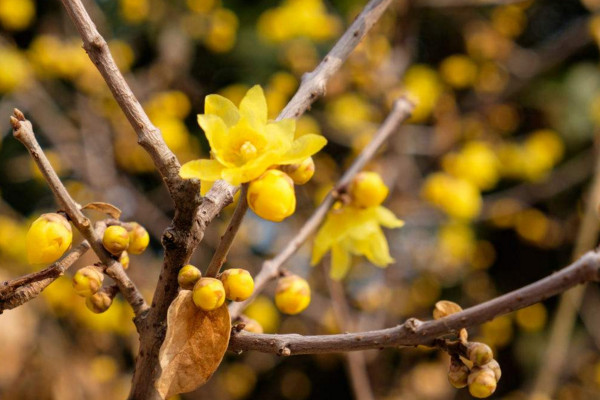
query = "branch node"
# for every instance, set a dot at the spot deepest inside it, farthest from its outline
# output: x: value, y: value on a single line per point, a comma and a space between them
x: 412, y: 325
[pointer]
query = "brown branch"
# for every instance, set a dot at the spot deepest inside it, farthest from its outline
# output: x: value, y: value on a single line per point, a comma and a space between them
x: 23, y: 132
x: 414, y: 332
x: 270, y: 268
x: 222, y: 250
x: 314, y: 83
x: 182, y: 191
x: 18, y: 291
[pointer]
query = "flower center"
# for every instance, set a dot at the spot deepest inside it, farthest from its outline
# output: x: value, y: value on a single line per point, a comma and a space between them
x: 248, y: 151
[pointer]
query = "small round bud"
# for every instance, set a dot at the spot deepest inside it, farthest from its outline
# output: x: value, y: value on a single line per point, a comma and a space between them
x: 99, y: 302
x: 479, y: 353
x: 115, y: 239
x: 87, y: 281
x: 251, y: 325
x: 368, y: 190
x: 124, y: 259
x: 238, y: 284
x: 482, y: 382
x: 188, y: 276
x: 272, y: 196
x: 292, y: 294
x: 48, y: 238
x: 208, y: 294
x: 458, y: 373
x: 494, y: 366
x: 138, y: 238
x: 301, y: 172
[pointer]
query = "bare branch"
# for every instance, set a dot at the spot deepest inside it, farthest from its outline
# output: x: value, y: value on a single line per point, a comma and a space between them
x: 270, y: 268
x: 20, y: 290
x: 220, y: 255
x: 23, y: 132
x: 149, y: 137
x: 414, y: 332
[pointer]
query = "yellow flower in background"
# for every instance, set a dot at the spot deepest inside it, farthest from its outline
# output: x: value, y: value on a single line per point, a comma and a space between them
x: 424, y: 88
x: 16, y: 15
x: 351, y: 230
x: 14, y: 69
x: 459, y: 71
x: 243, y: 143
x: 134, y: 11
x: 475, y: 162
x: 459, y: 198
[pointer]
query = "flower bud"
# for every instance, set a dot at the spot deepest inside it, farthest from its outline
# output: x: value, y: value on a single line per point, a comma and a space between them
x: 138, y: 238
x: 87, y: 281
x: 48, y: 238
x: 251, y: 325
x: 99, y: 302
x: 208, y: 294
x: 124, y: 259
x: 494, y: 366
x: 458, y: 373
x: 292, y: 294
x: 115, y: 239
x: 368, y: 190
x: 188, y: 276
x: 482, y: 382
x: 272, y: 196
x: 301, y: 172
x: 479, y: 353
x: 238, y: 284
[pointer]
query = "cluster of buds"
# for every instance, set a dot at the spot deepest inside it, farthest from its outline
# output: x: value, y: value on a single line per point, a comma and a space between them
x: 272, y: 196
x: 87, y: 282
x: 235, y: 284
x: 118, y: 239
x: 478, y: 370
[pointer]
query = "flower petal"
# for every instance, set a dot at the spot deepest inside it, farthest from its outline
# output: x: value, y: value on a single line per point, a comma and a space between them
x: 254, y: 107
x: 303, y: 147
x: 378, y: 251
x: 206, y: 170
x: 387, y: 218
x: 340, y: 262
x: 217, y: 135
x: 248, y: 171
x: 223, y: 108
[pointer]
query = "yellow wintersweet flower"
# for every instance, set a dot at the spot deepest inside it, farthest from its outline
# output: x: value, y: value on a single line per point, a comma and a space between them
x: 457, y: 197
x: 243, y: 143
x: 351, y: 230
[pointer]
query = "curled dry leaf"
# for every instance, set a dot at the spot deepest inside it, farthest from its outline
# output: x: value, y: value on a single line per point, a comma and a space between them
x: 194, y: 345
x: 105, y: 208
x: 443, y: 308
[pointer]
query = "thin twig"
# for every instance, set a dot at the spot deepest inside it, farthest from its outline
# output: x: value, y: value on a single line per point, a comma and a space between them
x: 18, y: 291
x: 23, y: 132
x: 414, y: 332
x: 222, y: 250
x: 464, y: 3
x: 270, y: 268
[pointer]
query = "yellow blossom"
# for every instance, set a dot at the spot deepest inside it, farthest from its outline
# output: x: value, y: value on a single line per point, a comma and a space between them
x: 352, y: 230
x: 457, y: 197
x: 476, y: 162
x: 48, y: 238
x: 16, y: 15
x: 243, y: 143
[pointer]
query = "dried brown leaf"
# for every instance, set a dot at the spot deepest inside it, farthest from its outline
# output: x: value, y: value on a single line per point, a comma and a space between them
x: 105, y: 208
x: 443, y: 308
x: 194, y: 345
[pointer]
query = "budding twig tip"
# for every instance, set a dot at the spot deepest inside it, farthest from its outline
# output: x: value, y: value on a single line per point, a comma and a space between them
x: 15, y: 123
x: 19, y: 114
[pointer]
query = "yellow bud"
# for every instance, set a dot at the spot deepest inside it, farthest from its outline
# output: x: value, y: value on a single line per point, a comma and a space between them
x: 251, y: 325
x: 301, y: 172
x: 99, y: 302
x: 208, y: 294
x: 138, y: 239
x: 458, y: 373
x: 479, y: 353
x: 115, y: 239
x: 87, y: 281
x: 494, y: 366
x: 188, y: 276
x: 48, y: 238
x: 368, y: 190
x: 272, y: 196
x: 238, y: 284
x: 124, y: 260
x: 292, y: 294
x: 482, y: 382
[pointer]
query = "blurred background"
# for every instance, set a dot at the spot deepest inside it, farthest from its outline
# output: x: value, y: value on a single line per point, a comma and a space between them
x: 489, y: 175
